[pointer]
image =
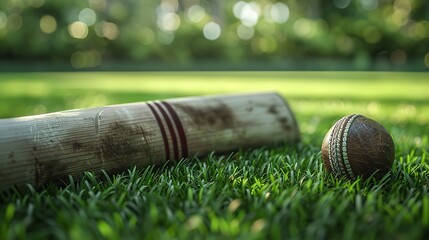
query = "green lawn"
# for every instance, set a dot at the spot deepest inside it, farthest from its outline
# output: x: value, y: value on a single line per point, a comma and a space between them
x: 254, y: 194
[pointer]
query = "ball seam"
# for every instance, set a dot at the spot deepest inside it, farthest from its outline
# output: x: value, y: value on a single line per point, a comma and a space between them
x: 339, y: 146
x: 345, y: 142
x: 334, y: 151
x: 329, y: 150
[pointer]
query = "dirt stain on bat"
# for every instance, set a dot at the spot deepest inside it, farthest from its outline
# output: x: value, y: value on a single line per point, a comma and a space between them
x: 46, y: 171
x: 272, y: 110
x: 12, y: 157
x: 219, y: 116
x: 116, y: 143
x: 77, y: 146
x: 120, y: 145
x: 284, y: 122
x: 50, y: 168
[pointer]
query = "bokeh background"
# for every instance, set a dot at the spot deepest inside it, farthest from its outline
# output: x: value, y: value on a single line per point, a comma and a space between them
x: 215, y: 34
x: 57, y: 55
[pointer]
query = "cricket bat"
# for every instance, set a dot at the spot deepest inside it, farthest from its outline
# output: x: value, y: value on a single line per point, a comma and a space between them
x: 49, y: 147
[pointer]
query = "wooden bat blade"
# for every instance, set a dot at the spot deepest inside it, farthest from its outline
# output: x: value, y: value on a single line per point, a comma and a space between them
x: 42, y: 148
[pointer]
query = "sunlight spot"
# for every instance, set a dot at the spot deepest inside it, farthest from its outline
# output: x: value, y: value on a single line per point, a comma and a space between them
x: 426, y: 59
x: 302, y: 27
x: 78, y: 30
x: 418, y: 141
x: 48, y: 24
x: 168, y: 6
x: 3, y: 20
x: 416, y: 30
x: 108, y: 30
x: 244, y: 32
x: 169, y: 21
x: 212, y: 31
x: 248, y: 13
x: 237, y: 8
x: 267, y: 195
x: 99, y: 5
x: 194, y: 222
x: 87, y: 16
x: 341, y: 4
x: 37, y: 3
x: 373, y: 107
x: 279, y: 13
x: 258, y: 225
x: 404, y: 5
x: 268, y: 44
x: 369, y: 5
x: 234, y: 205
x: 399, y: 17
x: 196, y: 13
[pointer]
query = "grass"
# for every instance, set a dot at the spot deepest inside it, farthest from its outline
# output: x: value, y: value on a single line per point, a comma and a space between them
x: 249, y: 194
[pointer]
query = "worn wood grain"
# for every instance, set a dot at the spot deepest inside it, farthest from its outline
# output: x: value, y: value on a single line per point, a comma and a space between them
x: 49, y: 147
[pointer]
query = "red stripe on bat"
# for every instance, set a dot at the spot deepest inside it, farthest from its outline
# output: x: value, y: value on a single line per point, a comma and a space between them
x: 171, y: 128
x: 180, y: 129
x: 163, y: 134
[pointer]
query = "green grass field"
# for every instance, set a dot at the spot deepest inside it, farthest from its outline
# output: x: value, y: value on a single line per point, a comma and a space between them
x: 260, y: 193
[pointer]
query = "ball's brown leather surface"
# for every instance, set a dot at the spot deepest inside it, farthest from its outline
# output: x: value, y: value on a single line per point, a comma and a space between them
x: 369, y: 147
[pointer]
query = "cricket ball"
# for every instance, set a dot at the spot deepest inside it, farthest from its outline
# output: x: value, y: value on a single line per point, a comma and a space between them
x: 358, y: 146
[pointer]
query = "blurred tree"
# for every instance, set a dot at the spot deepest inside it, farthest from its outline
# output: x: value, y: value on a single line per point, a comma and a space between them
x: 85, y: 33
